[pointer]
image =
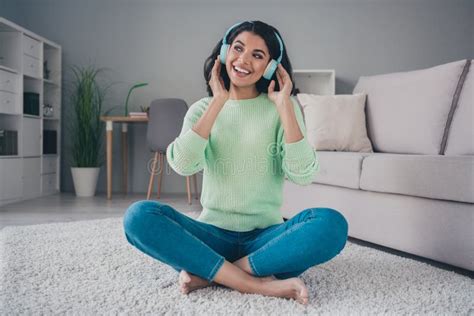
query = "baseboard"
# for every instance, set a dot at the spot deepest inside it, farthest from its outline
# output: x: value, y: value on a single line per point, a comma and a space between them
x: 434, y: 263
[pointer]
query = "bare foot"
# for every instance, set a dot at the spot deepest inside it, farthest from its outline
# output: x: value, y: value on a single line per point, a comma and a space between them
x: 290, y: 288
x: 189, y: 282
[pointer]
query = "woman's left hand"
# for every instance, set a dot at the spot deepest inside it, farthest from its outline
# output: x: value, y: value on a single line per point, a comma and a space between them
x: 280, y: 98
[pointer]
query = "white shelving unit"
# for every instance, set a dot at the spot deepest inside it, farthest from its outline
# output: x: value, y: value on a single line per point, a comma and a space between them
x: 315, y: 81
x: 33, y: 170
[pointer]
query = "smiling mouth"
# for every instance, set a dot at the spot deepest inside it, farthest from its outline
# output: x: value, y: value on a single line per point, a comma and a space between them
x: 240, y: 72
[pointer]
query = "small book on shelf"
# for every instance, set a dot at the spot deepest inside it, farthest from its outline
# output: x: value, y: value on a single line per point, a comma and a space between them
x: 137, y: 114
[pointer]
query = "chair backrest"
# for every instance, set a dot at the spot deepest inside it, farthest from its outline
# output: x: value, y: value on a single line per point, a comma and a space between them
x: 165, y: 120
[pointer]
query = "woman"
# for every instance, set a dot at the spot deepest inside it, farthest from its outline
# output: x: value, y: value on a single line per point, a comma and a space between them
x: 246, y: 136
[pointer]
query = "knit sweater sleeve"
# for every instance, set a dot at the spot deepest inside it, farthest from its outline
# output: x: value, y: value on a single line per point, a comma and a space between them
x: 299, y: 160
x: 186, y: 154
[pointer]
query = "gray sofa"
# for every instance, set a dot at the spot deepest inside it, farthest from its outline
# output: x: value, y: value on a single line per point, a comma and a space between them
x: 415, y: 192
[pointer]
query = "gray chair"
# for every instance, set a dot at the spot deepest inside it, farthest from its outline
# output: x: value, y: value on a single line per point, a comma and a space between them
x: 165, y: 119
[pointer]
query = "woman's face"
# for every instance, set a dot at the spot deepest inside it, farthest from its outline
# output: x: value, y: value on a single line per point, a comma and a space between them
x: 247, y: 59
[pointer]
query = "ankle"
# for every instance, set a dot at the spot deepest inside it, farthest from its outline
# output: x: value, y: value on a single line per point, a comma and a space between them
x: 244, y: 265
x: 268, y: 288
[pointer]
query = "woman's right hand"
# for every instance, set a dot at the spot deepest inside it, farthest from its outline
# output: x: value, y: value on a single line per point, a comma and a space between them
x: 219, y: 91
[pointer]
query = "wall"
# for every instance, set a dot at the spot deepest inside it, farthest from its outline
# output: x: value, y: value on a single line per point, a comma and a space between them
x: 165, y: 43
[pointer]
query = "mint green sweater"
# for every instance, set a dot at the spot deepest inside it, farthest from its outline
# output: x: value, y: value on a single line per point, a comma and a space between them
x: 245, y: 161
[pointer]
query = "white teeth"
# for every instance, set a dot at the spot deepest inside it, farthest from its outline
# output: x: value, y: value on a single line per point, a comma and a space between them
x: 241, y: 70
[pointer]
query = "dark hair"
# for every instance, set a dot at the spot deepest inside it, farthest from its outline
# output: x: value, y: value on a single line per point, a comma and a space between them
x: 267, y: 33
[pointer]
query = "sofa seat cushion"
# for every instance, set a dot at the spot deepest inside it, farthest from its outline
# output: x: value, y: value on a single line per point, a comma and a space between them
x: 431, y: 176
x: 340, y: 168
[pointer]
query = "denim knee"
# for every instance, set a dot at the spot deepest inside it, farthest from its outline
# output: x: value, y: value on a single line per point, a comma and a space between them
x: 136, y: 215
x: 336, y: 223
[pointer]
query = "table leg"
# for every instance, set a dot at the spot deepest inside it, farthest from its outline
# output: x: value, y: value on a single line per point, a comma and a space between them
x: 109, y: 129
x: 124, y: 158
x: 160, y: 174
x: 188, y: 188
x: 195, y: 186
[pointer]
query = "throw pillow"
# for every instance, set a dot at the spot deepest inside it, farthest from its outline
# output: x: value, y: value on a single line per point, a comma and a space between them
x: 336, y: 122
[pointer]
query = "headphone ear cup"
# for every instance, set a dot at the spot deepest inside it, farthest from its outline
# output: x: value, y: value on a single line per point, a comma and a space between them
x: 270, y: 70
x: 223, y: 53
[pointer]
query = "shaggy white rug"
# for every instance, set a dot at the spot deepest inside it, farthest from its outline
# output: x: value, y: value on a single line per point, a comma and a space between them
x: 87, y: 267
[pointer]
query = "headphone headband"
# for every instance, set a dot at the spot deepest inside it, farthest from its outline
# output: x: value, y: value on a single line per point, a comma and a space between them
x: 281, y: 47
x: 224, y: 41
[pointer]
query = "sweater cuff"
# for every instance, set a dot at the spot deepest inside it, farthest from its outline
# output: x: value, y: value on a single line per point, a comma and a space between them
x: 194, y: 142
x: 299, y: 151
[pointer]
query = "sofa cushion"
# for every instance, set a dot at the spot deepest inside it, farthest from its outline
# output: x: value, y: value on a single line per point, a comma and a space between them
x: 335, y: 122
x: 461, y: 132
x: 407, y: 111
x: 430, y: 176
x: 339, y: 168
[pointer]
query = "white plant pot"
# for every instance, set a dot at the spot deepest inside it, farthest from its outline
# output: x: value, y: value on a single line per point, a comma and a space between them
x: 85, y: 180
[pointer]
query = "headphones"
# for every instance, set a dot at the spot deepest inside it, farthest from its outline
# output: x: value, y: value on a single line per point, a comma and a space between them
x: 272, y: 65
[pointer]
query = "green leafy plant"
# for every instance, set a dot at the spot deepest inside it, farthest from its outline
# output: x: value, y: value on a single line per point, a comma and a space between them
x: 138, y: 85
x: 87, y: 100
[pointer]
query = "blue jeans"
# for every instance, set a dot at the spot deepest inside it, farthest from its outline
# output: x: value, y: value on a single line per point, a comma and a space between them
x: 284, y: 250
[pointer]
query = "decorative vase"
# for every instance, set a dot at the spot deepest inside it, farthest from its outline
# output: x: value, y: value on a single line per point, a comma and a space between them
x: 85, y: 181
x: 48, y: 110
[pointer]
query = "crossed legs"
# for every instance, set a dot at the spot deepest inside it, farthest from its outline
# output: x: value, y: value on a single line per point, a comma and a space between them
x: 200, y: 265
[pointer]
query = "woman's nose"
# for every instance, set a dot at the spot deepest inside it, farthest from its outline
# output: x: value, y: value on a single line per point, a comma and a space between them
x: 244, y: 58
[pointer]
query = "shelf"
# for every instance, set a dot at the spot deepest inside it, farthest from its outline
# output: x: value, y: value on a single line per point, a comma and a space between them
x: 32, y: 116
x: 2, y: 67
x: 7, y: 26
x: 23, y: 57
x: 51, y: 83
x: 315, y: 81
x: 47, y: 118
x: 52, y: 65
x: 12, y: 114
x: 31, y: 77
x: 313, y: 71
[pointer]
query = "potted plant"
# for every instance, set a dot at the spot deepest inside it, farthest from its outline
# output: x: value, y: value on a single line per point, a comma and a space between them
x: 86, y: 129
x: 145, y: 109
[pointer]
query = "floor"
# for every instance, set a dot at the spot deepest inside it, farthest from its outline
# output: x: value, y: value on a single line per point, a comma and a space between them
x: 67, y: 207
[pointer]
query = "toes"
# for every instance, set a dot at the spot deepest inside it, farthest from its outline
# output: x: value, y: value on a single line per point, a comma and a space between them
x: 184, y: 276
x: 184, y: 290
x: 304, y: 292
x: 302, y: 299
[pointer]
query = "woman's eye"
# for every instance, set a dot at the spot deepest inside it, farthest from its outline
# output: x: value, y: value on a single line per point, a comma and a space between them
x: 239, y: 49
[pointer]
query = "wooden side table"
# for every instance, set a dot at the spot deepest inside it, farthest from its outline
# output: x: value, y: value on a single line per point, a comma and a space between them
x: 125, y: 120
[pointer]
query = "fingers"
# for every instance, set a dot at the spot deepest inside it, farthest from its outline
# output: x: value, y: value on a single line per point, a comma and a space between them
x: 283, y: 78
x: 216, y: 82
x: 214, y: 67
x: 280, y: 80
x: 271, y: 87
x: 215, y: 72
x: 283, y: 73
